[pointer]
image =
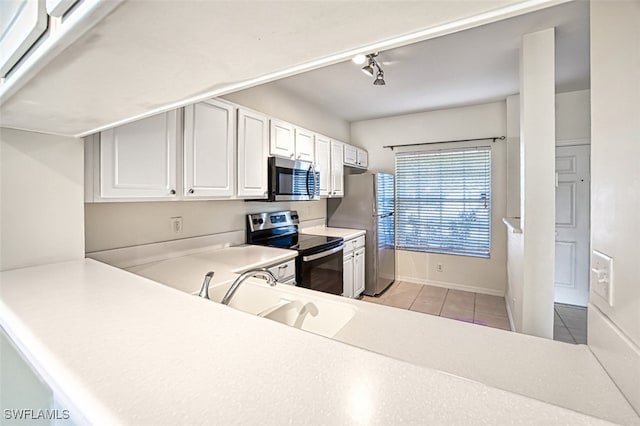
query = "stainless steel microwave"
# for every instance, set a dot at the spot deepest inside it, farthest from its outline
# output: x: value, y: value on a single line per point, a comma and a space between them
x: 292, y: 180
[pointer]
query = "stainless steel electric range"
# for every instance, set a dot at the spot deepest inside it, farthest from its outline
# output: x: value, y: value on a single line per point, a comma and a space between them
x: 319, y: 262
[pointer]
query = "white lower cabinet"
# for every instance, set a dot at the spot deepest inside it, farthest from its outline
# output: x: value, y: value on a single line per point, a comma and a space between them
x: 354, y: 267
x: 358, y: 272
x: 347, y: 279
x: 138, y: 160
x: 209, y: 150
x: 285, y: 272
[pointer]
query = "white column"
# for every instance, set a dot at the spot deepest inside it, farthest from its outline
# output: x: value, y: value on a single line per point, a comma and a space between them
x: 537, y: 160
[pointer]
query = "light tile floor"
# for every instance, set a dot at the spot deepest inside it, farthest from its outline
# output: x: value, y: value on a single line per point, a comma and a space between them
x: 460, y: 305
x: 570, y: 323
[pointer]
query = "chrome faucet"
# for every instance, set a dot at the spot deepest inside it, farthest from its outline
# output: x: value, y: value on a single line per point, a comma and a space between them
x: 204, y: 291
x: 271, y: 280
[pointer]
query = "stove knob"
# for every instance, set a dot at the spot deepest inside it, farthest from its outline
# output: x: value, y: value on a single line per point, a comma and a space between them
x: 260, y: 221
x: 255, y: 221
x: 294, y: 216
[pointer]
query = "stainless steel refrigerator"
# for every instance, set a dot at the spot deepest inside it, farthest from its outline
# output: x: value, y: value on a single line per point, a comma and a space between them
x: 368, y: 204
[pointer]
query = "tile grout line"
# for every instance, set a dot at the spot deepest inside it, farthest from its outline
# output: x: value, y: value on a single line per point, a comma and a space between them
x: 564, y: 325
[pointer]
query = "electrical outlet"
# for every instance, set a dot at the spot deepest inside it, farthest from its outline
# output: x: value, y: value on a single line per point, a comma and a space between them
x: 439, y: 267
x: 602, y: 276
x: 176, y: 225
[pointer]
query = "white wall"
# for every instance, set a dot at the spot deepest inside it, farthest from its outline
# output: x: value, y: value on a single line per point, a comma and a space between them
x: 41, y: 195
x: 116, y: 225
x: 573, y: 126
x: 573, y: 118
x: 614, y: 331
x: 273, y: 100
x: 470, y: 273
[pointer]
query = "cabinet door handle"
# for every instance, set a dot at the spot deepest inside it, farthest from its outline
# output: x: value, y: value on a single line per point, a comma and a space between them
x: 172, y: 192
x: 191, y: 191
x: 292, y: 155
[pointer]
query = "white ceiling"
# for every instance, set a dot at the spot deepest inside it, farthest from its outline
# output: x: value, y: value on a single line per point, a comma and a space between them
x: 148, y: 57
x: 469, y: 67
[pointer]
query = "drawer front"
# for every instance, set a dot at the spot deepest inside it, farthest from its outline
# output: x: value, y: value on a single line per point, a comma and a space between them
x: 284, y: 271
x: 354, y: 244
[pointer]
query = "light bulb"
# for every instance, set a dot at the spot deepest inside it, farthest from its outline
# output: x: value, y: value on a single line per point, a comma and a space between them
x: 359, y: 59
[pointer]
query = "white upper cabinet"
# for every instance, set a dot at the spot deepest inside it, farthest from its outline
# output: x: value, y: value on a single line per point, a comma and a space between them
x: 253, y: 150
x: 304, y: 145
x: 282, y: 141
x: 138, y: 160
x: 323, y: 164
x: 350, y: 155
x: 362, y: 158
x: 209, y: 150
x: 329, y: 162
x: 356, y: 157
x: 22, y: 22
x: 337, y: 169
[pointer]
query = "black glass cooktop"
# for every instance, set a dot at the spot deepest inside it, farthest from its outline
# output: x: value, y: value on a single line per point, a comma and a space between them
x: 305, y: 243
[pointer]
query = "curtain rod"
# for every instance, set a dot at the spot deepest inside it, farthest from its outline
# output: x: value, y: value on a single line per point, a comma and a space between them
x: 494, y: 138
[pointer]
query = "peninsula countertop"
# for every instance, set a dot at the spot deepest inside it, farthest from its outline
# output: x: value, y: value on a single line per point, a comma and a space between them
x: 126, y: 350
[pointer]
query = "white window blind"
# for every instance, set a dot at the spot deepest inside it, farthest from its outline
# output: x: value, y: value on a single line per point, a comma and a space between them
x: 443, y: 201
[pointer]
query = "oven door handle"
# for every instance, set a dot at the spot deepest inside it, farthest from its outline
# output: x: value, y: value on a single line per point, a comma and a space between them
x: 323, y: 254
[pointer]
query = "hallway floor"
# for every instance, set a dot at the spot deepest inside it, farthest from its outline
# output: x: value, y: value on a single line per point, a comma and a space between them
x: 570, y: 323
x: 460, y: 305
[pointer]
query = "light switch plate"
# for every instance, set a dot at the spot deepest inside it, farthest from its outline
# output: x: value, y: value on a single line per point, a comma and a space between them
x: 602, y: 275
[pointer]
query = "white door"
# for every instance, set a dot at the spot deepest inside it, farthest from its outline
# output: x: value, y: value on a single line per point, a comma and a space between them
x: 572, y: 225
x: 323, y: 164
x: 337, y: 169
x: 208, y: 150
x: 305, y: 143
x: 281, y: 140
x: 138, y: 160
x: 252, y: 154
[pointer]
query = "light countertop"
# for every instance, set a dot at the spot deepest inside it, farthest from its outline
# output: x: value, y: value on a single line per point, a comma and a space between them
x: 345, y: 233
x: 126, y: 350
x: 186, y: 273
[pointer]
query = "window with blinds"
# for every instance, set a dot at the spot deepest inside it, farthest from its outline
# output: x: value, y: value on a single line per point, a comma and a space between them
x: 443, y: 201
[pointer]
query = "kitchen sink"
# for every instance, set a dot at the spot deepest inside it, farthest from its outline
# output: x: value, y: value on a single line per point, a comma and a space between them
x: 295, y: 307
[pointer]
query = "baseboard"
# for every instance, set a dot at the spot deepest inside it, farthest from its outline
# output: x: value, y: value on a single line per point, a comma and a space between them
x: 512, y: 324
x: 619, y: 356
x: 127, y: 257
x: 453, y: 286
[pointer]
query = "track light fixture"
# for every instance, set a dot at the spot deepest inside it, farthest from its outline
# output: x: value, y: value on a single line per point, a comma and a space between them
x: 379, y: 81
x: 370, y: 68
